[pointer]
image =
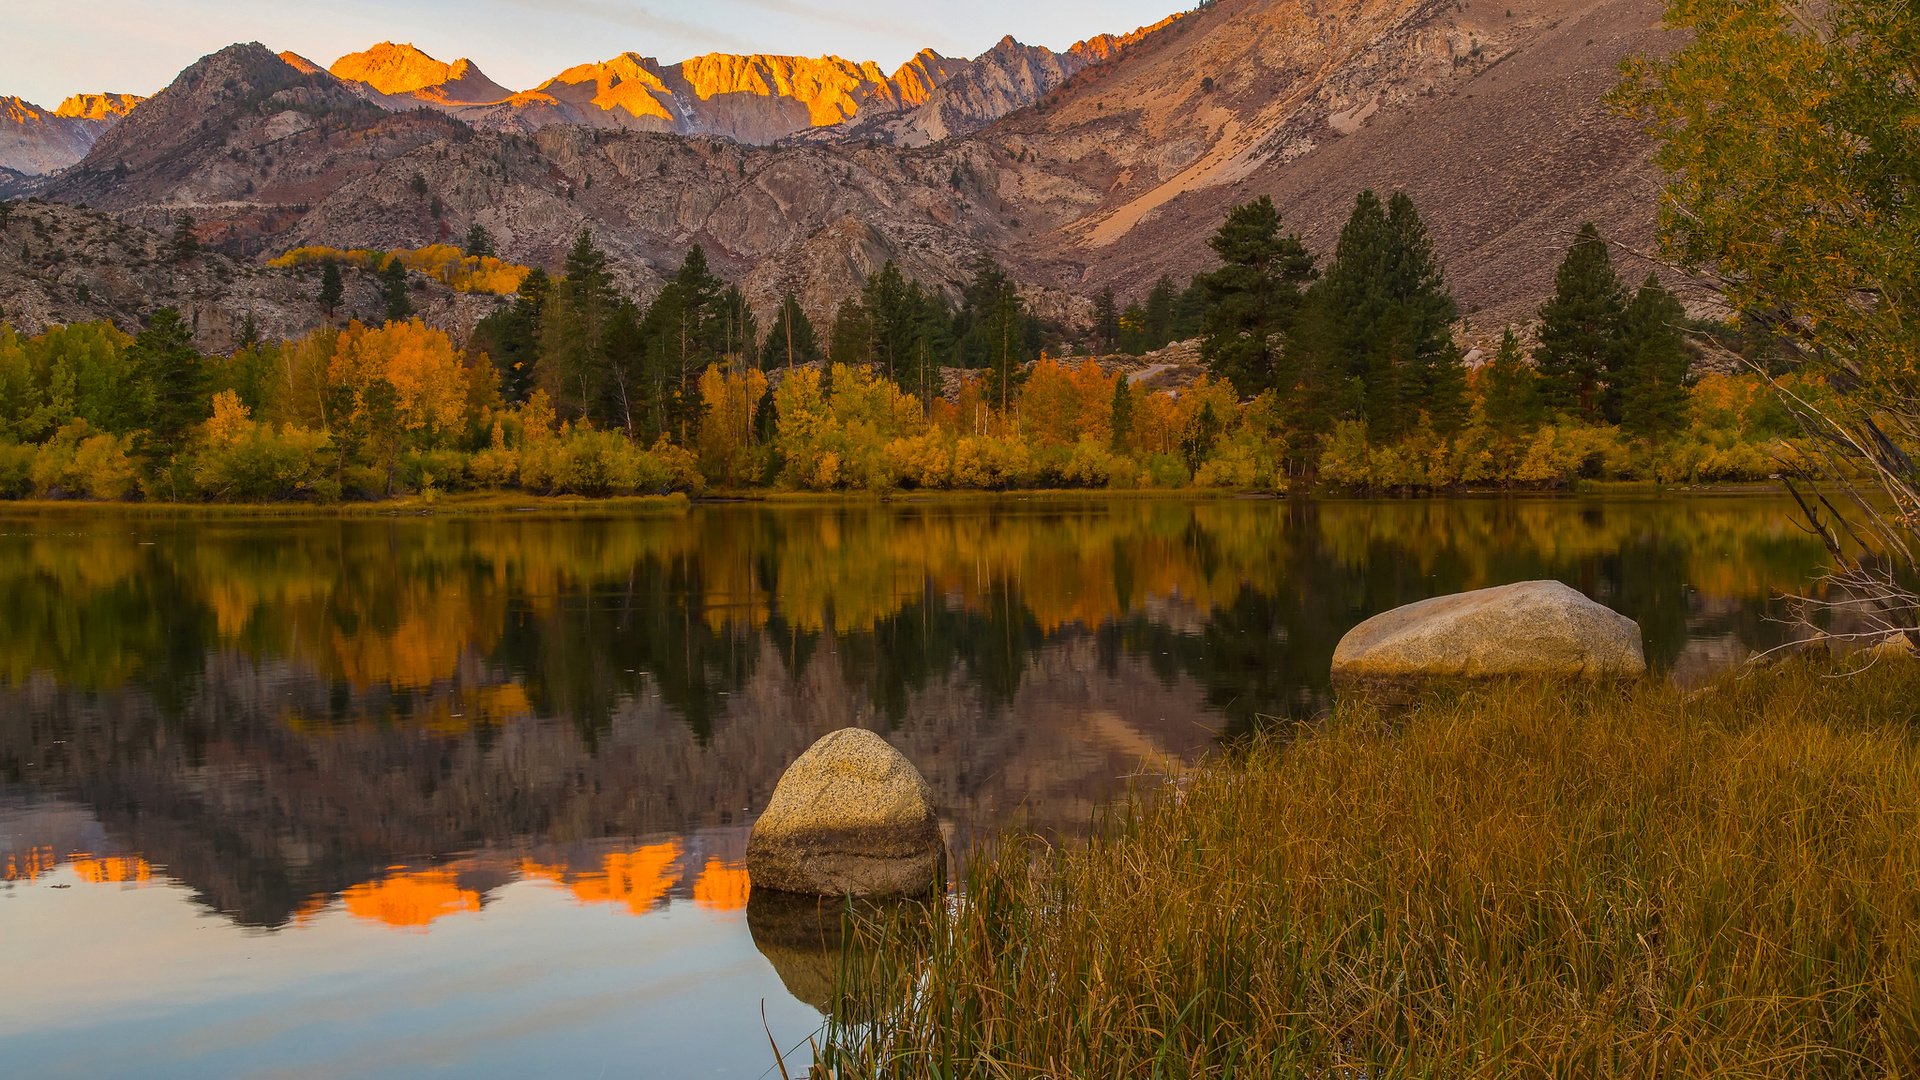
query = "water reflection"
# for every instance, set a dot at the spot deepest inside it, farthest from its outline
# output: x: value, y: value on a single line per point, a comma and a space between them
x: 406, y: 724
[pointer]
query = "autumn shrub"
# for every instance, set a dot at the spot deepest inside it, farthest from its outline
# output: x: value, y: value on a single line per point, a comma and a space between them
x: 243, y: 459
x: 16, y: 470
x: 1164, y: 471
x: 993, y: 463
x: 435, y: 470
x: 922, y: 461
x: 78, y: 462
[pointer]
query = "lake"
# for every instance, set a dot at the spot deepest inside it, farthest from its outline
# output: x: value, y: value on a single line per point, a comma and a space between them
x: 395, y: 796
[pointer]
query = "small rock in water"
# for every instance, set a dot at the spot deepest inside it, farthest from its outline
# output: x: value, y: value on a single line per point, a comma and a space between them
x: 850, y: 817
x: 1534, y: 628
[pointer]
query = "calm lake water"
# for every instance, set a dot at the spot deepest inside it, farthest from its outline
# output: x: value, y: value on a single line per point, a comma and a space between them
x: 398, y: 796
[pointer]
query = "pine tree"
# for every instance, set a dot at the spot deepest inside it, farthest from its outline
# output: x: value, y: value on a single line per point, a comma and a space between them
x: 1374, y: 335
x: 1159, y: 313
x: 850, y: 341
x: 479, y: 241
x: 1580, y: 350
x: 393, y: 290
x: 996, y: 331
x: 792, y: 339
x: 1106, y: 322
x: 185, y: 243
x: 1510, y: 390
x: 572, y: 365
x: 1252, y: 298
x: 1435, y: 379
x: 1122, y: 418
x: 1653, y: 387
x: 173, y: 379
x: 509, y: 337
x: 892, y: 312
x: 332, y: 289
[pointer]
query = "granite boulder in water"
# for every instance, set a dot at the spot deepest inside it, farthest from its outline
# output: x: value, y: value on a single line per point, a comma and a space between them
x: 850, y: 817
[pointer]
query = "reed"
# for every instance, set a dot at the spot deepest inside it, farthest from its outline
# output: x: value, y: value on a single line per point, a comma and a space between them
x: 1519, y: 880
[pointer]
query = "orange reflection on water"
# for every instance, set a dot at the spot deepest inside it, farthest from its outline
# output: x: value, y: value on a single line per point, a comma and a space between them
x: 722, y: 887
x: 115, y: 869
x: 410, y: 900
x: 29, y: 867
x: 639, y: 879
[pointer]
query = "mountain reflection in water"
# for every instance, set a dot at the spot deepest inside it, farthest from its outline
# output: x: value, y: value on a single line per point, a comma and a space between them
x: 510, y: 728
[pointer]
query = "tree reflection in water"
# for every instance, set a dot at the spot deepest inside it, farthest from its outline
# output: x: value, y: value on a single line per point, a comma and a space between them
x: 286, y: 716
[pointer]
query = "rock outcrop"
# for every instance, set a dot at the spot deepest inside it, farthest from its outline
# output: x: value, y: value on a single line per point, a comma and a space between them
x: 850, y: 817
x: 1533, y: 628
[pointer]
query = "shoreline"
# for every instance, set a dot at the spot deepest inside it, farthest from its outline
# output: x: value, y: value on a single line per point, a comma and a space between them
x: 506, y: 503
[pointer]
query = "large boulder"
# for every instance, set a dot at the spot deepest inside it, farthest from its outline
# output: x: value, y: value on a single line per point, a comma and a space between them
x: 850, y: 817
x: 1535, y: 628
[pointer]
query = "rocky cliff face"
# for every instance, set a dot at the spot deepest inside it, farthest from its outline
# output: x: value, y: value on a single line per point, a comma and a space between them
x: 34, y: 141
x: 405, y: 73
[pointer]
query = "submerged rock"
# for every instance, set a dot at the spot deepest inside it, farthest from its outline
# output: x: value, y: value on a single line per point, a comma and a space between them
x: 850, y: 817
x: 1534, y: 628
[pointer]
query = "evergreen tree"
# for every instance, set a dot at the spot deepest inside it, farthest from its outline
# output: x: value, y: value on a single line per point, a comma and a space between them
x: 1426, y: 313
x: 851, y: 339
x: 1252, y: 298
x: 892, y: 312
x: 1653, y: 389
x: 1190, y: 310
x: 509, y: 337
x: 173, y: 379
x: 1510, y: 390
x: 996, y: 331
x: 332, y: 289
x: 1122, y: 418
x: 573, y: 366
x: 1580, y: 351
x: 393, y: 290
x: 1374, y: 335
x: 623, y: 352
x: 1106, y: 322
x: 479, y: 241
x: 792, y: 339
x: 185, y: 243
x: 1158, y: 310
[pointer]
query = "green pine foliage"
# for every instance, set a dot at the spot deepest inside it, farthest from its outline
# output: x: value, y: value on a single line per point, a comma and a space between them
x: 791, y: 339
x: 1253, y: 299
x: 1653, y: 387
x: 394, y: 291
x: 1580, y: 353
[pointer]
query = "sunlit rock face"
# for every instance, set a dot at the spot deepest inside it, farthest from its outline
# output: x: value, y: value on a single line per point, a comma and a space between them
x: 402, y: 70
x: 34, y: 140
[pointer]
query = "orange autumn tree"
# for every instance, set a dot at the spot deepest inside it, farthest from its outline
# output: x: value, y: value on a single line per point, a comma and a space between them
x: 431, y: 386
x: 1061, y: 405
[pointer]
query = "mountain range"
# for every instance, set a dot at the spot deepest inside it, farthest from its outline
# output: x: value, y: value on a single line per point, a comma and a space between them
x: 1106, y: 165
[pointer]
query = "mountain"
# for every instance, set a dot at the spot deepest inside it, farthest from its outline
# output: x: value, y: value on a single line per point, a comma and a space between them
x: 34, y: 141
x: 1490, y: 113
x: 406, y: 77
x: 757, y: 99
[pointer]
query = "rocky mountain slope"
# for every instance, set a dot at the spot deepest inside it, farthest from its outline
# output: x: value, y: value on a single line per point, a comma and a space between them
x: 1489, y: 113
x: 66, y: 264
x: 34, y: 141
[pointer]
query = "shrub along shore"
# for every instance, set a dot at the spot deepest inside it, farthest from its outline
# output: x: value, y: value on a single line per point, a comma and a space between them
x: 1519, y: 879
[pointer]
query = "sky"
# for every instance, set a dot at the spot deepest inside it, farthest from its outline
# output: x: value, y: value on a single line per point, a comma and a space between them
x: 53, y: 49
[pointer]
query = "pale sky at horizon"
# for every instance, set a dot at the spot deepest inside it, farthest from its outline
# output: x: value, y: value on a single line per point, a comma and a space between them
x: 138, y: 46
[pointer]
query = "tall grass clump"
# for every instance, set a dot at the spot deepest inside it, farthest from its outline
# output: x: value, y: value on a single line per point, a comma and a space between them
x: 1523, y: 880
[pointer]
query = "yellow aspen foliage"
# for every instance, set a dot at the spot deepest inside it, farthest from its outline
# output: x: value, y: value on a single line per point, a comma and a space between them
x: 428, y: 378
x: 728, y: 396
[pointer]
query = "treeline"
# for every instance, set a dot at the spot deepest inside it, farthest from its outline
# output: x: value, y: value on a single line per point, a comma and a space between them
x: 1347, y: 374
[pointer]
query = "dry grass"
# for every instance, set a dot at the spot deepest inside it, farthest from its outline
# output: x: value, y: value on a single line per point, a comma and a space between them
x: 1522, y: 881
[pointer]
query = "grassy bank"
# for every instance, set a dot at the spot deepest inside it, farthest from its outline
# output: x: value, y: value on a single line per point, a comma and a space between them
x: 488, y: 503
x: 1525, y: 880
